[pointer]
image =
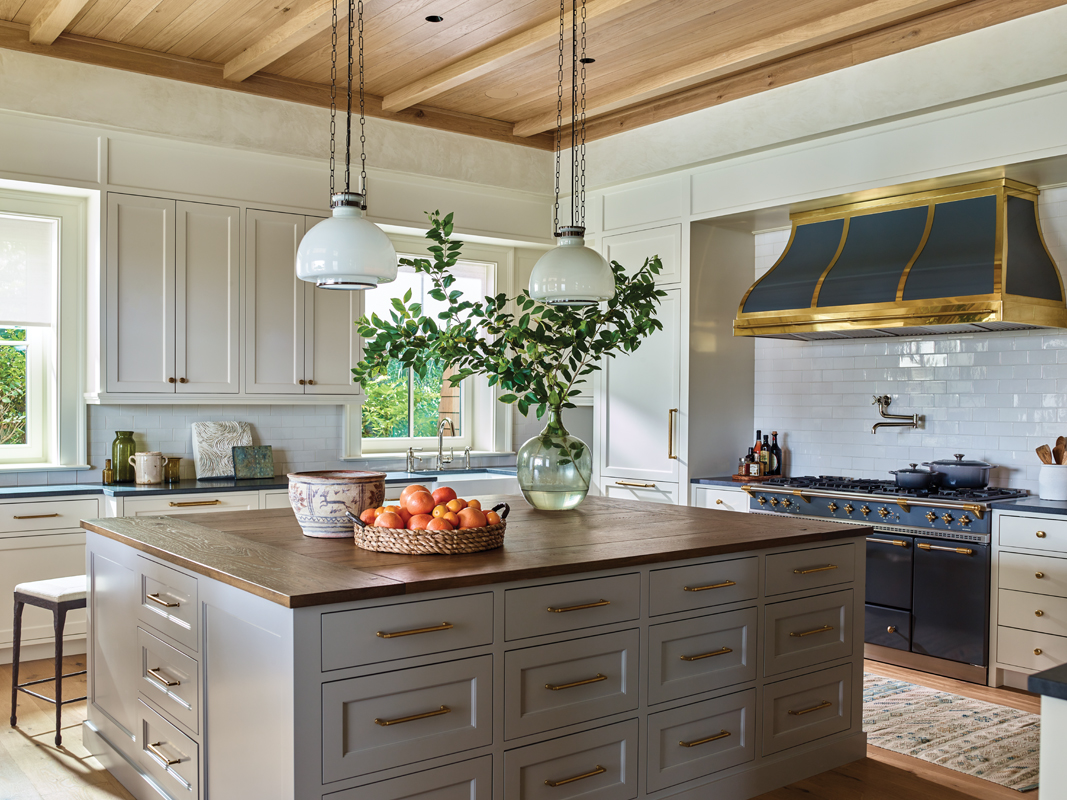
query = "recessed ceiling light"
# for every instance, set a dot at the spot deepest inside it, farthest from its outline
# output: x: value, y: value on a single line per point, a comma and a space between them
x: 587, y: 60
x: 435, y: 18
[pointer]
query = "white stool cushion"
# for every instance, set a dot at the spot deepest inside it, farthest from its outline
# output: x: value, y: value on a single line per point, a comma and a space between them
x: 59, y: 590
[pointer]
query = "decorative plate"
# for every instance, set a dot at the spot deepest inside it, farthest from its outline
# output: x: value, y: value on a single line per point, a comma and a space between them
x: 213, y: 444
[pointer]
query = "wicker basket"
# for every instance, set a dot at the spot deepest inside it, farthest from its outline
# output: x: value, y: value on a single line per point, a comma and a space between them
x: 401, y: 540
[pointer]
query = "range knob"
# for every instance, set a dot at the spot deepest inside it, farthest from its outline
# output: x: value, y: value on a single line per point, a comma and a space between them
x: 883, y: 512
x: 848, y: 508
x: 865, y: 511
x: 786, y: 503
x: 832, y: 506
x: 931, y: 516
x: 774, y: 502
x: 946, y: 518
x: 965, y: 520
x: 761, y: 500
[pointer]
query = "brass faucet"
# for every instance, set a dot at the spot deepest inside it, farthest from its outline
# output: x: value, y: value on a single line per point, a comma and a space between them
x: 883, y: 403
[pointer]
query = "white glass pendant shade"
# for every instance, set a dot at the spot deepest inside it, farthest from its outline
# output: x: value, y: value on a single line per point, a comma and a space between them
x: 346, y: 251
x: 571, y: 274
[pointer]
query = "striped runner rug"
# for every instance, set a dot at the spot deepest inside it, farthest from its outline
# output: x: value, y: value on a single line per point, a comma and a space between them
x: 992, y: 742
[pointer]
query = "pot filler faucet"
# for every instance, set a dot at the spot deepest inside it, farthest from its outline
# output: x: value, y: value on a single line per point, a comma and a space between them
x: 883, y: 403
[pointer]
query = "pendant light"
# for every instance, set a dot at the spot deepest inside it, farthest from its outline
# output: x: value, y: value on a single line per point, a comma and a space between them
x: 572, y: 274
x: 347, y: 251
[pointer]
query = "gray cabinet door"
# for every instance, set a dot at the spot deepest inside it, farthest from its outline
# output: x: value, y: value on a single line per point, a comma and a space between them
x: 114, y: 677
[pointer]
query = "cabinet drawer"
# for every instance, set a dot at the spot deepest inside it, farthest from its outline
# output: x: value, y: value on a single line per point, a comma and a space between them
x: 169, y: 680
x: 562, y: 684
x: 174, y: 505
x: 168, y: 602
x: 469, y: 780
x: 720, y: 499
x: 637, y: 489
x: 47, y: 515
x: 702, y: 654
x: 702, y: 585
x: 887, y: 627
x: 699, y: 739
x: 806, y: 708
x: 168, y: 755
x: 1030, y: 650
x: 596, y: 765
x: 1037, y: 574
x: 570, y: 605
x: 811, y: 630
x: 1033, y: 612
x: 1034, y: 534
x: 810, y: 569
x: 403, y: 630
x: 382, y: 721
x: 279, y: 499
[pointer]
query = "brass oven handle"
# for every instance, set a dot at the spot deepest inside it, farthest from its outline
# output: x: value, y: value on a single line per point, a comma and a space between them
x: 894, y: 542
x: 35, y: 516
x: 963, y: 551
x: 722, y: 734
x: 814, y: 569
x: 155, y: 598
x: 196, y: 503
x: 823, y: 629
x: 413, y: 717
x: 556, y: 688
x: 822, y: 705
x: 638, y: 484
x: 721, y: 652
x: 579, y: 608
x: 670, y: 433
x: 598, y: 771
x: 444, y: 626
x: 166, y: 762
x: 155, y: 674
x: 709, y: 586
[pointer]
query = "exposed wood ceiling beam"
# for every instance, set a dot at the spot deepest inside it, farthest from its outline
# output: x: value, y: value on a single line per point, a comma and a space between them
x: 875, y: 14
x: 500, y: 55
x: 284, y: 39
x: 53, y: 19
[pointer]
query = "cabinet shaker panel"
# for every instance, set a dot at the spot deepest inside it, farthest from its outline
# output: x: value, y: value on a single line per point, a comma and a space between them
x: 331, y: 346
x: 631, y: 250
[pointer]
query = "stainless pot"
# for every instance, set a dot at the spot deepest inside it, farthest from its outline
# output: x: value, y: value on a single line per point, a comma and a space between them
x: 960, y: 474
x: 915, y: 478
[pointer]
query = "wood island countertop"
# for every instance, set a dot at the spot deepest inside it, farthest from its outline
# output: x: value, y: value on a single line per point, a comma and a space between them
x: 265, y: 553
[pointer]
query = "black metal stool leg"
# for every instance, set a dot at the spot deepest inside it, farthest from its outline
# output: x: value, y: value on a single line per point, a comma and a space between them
x: 16, y: 646
x: 60, y: 621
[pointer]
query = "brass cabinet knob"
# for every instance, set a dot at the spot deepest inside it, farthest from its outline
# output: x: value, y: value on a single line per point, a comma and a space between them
x: 891, y: 629
x: 301, y: 381
x: 1039, y: 613
x: 1037, y: 651
x: 311, y: 381
x: 931, y: 516
x: 183, y: 380
x: 848, y: 508
x: 774, y: 502
x: 1041, y: 534
x: 965, y: 520
x: 832, y: 506
x: 1039, y: 575
x: 865, y: 511
x: 946, y: 518
x: 883, y: 512
x: 170, y: 380
x: 718, y: 501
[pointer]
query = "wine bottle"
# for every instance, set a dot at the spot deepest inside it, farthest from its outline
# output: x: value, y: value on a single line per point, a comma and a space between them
x: 776, y: 453
x: 759, y: 445
x: 765, y: 456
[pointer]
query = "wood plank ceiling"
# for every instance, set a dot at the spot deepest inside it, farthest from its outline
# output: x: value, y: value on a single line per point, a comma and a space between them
x: 490, y: 67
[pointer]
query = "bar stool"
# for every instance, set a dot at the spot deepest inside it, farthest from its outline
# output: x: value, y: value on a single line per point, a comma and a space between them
x: 58, y: 595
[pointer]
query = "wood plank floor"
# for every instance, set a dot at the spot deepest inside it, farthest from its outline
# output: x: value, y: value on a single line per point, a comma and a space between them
x: 33, y: 768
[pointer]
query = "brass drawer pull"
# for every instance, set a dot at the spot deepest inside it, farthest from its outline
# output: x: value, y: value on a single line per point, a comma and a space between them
x: 722, y: 652
x: 597, y: 604
x: 814, y: 569
x: 1039, y: 613
x: 823, y: 629
x: 670, y: 433
x: 1039, y: 575
x: 164, y: 760
x: 155, y: 598
x: 718, y: 501
x: 444, y: 626
x: 722, y: 585
x: 155, y: 674
x: 1041, y: 534
x: 822, y: 705
x: 35, y: 516
x: 196, y: 503
x: 413, y: 717
x: 1038, y: 651
x: 894, y: 542
x: 720, y: 735
x: 556, y: 688
x: 891, y: 629
x: 638, y: 484
x: 963, y: 551
x: 598, y: 771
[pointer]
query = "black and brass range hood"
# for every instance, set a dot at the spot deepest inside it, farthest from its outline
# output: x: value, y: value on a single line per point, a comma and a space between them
x: 964, y: 259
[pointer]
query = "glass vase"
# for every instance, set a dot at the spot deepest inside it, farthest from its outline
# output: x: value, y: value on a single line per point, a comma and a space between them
x: 121, y: 449
x: 554, y: 468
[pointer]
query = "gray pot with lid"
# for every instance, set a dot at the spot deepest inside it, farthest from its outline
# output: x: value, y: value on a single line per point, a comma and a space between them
x: 915, y: 478
x: 960, y: 474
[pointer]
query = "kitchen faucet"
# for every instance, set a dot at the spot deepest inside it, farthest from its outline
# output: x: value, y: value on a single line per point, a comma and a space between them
x: 883, y: 403
x: 441, y: 460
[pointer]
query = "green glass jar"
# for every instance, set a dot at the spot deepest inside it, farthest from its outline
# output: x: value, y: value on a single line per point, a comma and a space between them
x: 121, y: 449
x: 554, y: 468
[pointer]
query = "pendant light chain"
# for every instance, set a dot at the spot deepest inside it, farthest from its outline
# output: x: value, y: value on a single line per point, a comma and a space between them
x: 333, y: 102
x: 574, y: 112
x: 362, y: 116
x: 559, y: 115
x: 348, y: 116
x: 581, y: 146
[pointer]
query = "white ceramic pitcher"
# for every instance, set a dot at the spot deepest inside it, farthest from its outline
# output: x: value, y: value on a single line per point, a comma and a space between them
x: 148, y: 467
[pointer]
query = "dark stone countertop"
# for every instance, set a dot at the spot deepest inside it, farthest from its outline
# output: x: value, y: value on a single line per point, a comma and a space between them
x: 1033, y: 505
x: 1051, y: 682
x: 728, y: 480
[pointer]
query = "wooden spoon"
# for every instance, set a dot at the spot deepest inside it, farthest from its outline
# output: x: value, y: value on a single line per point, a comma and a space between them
x: 1045, y: 454
x: 1061, y: 442
x: 1058, y: 453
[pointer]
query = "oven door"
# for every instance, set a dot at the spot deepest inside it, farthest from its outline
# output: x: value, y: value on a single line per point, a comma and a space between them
x: 950, y: 612
x: 889, y: 557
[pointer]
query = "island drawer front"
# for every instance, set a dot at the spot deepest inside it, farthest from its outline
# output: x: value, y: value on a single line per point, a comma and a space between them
x: 810, y: 630
x: 169, y: 665
x: 571, y: 605
x: 47, y: 516
x: 160, y: 742
x: 810, y: 569
x: 1020, y: 571
x: 354, y: 743
x: 600, y: 764
x: 403, y: 630
x: 1033, y: 612
x: 1033, y: 534
x: 168, y: 602
x: 702, y: 585
x: 678, y: 746
x: 609, y: 662
x: 699, y: 655
x: 806, y: 708
x: 1030, y: 650
x: 720, y: 499
x: 468, y: 780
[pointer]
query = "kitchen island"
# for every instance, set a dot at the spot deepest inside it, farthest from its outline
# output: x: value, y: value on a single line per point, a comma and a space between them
x: 619, y: 650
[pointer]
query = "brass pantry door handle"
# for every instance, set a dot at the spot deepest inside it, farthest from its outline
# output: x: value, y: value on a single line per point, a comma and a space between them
x: 670, y: 433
